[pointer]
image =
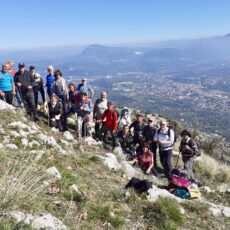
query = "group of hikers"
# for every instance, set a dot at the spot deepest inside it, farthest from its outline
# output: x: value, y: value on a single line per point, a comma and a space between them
x: 137, y: 140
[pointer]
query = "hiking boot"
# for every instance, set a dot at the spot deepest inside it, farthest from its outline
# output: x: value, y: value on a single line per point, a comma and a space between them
x: 36, y: 119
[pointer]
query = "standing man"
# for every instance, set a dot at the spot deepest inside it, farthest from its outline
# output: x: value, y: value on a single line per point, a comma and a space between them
x: 164, y: 137
x: 38, y: 85
x: 110, y: 126
x: 7, y: 86
x: 138, y: 127
x: 12, y: 73
x: 50, y: 78
x: 99, y: 108
x: 25, y: 82
x: 188, y: 149
x: 84, y: 87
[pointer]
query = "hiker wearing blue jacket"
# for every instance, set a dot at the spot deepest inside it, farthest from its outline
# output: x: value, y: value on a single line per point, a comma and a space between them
x: 50, y: 78
x: 7, y: 86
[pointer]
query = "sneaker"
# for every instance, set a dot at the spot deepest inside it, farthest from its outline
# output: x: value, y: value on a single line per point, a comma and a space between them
x: 22, y: 105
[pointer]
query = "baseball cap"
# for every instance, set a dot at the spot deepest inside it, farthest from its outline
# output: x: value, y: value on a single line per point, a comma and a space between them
x: 84, y: 79
x: 21, y: 65
x: 32, y: 67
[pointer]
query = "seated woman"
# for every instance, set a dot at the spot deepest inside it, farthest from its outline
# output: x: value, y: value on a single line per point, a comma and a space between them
x: 55, y: 112
x: 145, y: 160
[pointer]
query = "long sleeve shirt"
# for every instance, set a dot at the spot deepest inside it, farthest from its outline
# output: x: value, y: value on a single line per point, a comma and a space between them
x: 166, y: 136
x: 25, y: 79
x: 111, y: 119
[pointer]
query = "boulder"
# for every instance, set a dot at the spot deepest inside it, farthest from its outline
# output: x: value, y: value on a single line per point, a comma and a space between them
x: 154, y: 193
x: 14, y: 133
x: 215, y: 211
x: 207, y: 189
x: 11, y: 146
x: 226, y: 211
x: 110, y: 161
x: 91, y: 141
x: 48, y: 222
x: 25, y: 142
x: 128, y: 169
x: 54, y: 172
x: 22, y: 133
x: 18, y: 124
x: 32, y: 143
x: 68, y: 136
x: 6, y: 106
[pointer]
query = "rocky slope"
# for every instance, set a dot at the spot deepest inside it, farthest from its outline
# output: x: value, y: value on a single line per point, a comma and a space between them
x: 50, y: 180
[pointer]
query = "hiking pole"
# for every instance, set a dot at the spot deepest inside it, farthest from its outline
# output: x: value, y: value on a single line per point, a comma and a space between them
x: 177, y: 159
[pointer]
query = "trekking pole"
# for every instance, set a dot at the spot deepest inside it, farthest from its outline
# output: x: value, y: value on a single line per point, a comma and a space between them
x: 20, y: 94
x: 177, y: 160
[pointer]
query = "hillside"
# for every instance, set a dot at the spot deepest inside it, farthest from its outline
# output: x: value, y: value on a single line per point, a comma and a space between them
x: 50, y: 180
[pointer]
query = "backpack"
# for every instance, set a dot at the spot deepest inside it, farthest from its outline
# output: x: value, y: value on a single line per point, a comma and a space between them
x: 169, y: 129
x: 178, y: 179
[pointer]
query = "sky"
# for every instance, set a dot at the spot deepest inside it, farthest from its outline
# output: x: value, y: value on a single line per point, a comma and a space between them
x: 41, y: 23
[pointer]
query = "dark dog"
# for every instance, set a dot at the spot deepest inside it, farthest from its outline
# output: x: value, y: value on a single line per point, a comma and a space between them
x: 139, y: 186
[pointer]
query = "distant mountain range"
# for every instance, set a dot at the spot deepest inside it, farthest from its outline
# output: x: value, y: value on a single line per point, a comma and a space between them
x: 100, y: 59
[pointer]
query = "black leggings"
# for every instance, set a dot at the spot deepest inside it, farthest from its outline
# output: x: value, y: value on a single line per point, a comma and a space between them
x: 37, y: 89
x: 8, y: 97
x: 166, y: 160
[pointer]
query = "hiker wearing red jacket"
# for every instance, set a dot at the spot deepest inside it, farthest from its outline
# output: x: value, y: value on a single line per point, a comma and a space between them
x: 110, y: 125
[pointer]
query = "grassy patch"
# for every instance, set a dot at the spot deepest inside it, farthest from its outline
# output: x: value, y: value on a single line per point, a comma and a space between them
x: 164, y: 213
x: 104, y: 213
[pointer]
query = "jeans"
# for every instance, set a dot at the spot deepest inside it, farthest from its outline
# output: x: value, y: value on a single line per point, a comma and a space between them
x: 166, y: 160
x: 188, y: 167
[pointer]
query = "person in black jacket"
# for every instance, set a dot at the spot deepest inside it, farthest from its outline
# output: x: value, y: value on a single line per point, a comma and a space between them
x: 25, y: 82
x: 148, y: 134
x: 188, y: 149
x: 55, y: 111
x: 138, y: 127
x: 38, y: 87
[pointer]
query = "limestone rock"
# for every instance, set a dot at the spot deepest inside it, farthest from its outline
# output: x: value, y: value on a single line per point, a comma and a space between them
x: 11, y: 146
x: 68, y: 136
x: 25, y: 142
x: 74, y: 187
x: 6, y: 106
x: 48, y: 222
x: 154, y: 193
x: 54, y: 172
x: 215, y: 211
x: 207, y: 189
x: 91, y: 141
x: 110, y: 161
x: 128, y: 169
x: 14, y: 133
x: 226, y: 211
x: 18, y: 124
x: 64, y: 142
x: 55, y: 130
x: 32, y: 143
